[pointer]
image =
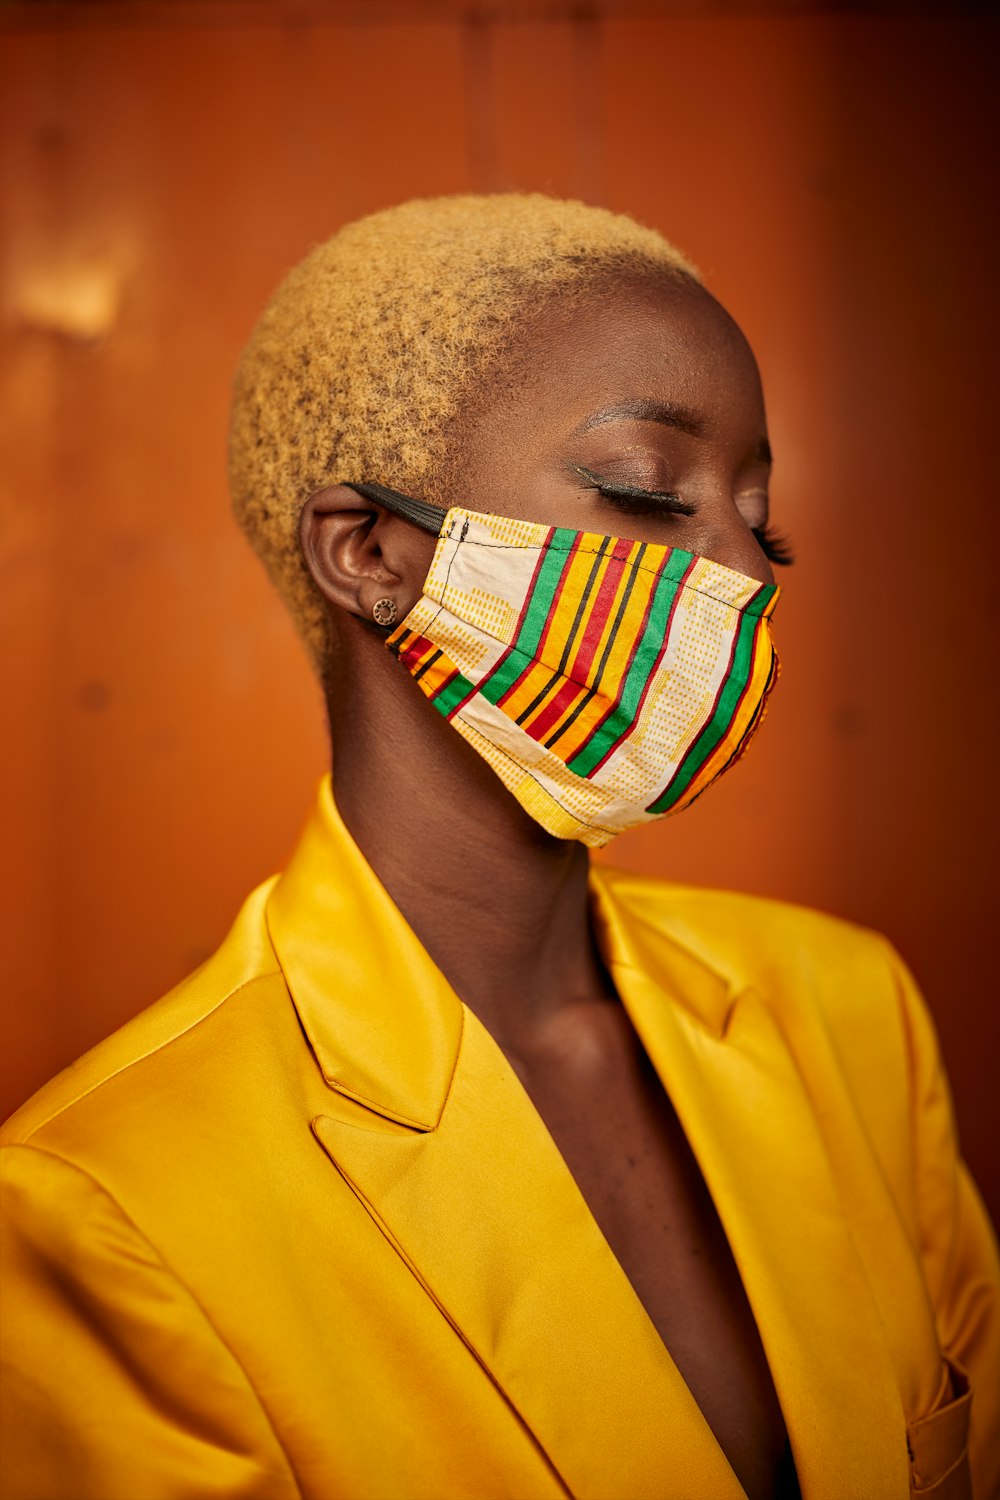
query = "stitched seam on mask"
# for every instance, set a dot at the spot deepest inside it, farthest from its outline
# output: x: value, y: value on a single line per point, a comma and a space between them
x: 636, y: 567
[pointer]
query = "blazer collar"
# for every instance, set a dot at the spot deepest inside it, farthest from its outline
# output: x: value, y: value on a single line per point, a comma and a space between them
x: 338, y: 935
x: 637, y: 934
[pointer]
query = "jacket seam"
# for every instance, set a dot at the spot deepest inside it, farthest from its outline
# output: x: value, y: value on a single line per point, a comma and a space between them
x: 127, y: 1219
x: 133, y: 1062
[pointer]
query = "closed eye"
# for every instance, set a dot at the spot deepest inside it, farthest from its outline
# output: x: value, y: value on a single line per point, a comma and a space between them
x: 775, y: 546
x: 632, y: 498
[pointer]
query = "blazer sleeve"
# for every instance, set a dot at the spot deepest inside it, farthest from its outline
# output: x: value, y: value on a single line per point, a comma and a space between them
x: 113, y: 1383
x: 957, y: 1244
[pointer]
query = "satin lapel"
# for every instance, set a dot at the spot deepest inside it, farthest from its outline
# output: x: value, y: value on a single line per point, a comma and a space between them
x: 486, y: 1214
x: 739, y: 1097
x: 381, y: 1019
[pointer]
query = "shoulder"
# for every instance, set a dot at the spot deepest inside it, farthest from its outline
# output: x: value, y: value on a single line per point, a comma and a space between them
x: 137, y: 1060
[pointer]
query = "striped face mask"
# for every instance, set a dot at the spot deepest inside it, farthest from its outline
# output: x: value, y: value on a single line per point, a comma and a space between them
x: 607, y: 682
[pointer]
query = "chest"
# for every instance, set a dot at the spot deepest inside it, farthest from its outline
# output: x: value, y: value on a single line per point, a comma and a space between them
x: 619, y: 1135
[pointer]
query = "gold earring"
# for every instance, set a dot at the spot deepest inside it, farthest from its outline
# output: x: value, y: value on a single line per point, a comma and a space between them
x: 384, y: 611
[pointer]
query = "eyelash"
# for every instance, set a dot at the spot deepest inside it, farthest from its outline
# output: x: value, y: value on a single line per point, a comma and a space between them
x: 629, y: 497
x: 774, y: 544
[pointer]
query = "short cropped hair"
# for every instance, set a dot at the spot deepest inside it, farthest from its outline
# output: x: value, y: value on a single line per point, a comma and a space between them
x: 377, y: 338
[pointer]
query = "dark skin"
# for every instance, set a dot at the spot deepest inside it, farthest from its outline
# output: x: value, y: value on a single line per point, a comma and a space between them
x: 443, y: 833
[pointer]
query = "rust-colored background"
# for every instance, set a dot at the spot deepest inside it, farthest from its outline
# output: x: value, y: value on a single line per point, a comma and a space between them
x: 163, y: 164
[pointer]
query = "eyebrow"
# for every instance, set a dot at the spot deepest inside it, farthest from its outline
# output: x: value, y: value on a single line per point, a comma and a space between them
x: 680, y: 417
x: 643, y: 410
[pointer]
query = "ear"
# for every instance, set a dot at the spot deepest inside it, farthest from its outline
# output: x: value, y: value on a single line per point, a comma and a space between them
x: 358, y: 553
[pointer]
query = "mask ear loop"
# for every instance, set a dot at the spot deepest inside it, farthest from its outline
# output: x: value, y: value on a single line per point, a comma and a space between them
x: 421, y: 512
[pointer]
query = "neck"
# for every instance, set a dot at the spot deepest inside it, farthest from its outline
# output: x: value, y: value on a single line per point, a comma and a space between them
x: 500, y: 906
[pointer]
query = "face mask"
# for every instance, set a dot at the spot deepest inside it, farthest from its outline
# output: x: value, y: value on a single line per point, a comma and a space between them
x: 607, y: 682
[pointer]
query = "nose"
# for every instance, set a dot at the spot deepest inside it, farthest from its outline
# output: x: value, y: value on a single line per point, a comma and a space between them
x: 731, y: 541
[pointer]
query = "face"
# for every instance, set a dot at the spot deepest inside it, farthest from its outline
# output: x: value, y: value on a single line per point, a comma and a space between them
x: 637, y: 413
x: 633, y: 409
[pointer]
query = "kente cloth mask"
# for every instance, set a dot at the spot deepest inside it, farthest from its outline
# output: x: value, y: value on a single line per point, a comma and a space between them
x: 607, y: 682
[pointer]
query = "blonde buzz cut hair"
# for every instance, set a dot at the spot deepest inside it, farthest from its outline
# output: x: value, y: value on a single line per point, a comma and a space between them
x: 379, y: 336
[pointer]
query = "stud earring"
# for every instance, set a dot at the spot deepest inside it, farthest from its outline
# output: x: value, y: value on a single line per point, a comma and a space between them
x: 384, y: 611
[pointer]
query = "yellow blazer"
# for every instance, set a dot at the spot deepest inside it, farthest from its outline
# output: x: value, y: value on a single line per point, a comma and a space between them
x: 298, y: 1231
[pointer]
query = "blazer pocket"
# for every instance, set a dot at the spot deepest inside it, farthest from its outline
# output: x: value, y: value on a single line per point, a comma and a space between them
x: 939, y: 1443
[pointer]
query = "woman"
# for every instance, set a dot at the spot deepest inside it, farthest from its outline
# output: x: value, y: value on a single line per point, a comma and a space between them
x: 464, y: 1169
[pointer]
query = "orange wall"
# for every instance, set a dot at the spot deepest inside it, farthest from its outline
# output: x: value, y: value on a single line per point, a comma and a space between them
x: 162, y: 165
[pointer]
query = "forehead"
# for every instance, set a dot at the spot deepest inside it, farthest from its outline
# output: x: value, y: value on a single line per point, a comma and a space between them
x: 659, y: 338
